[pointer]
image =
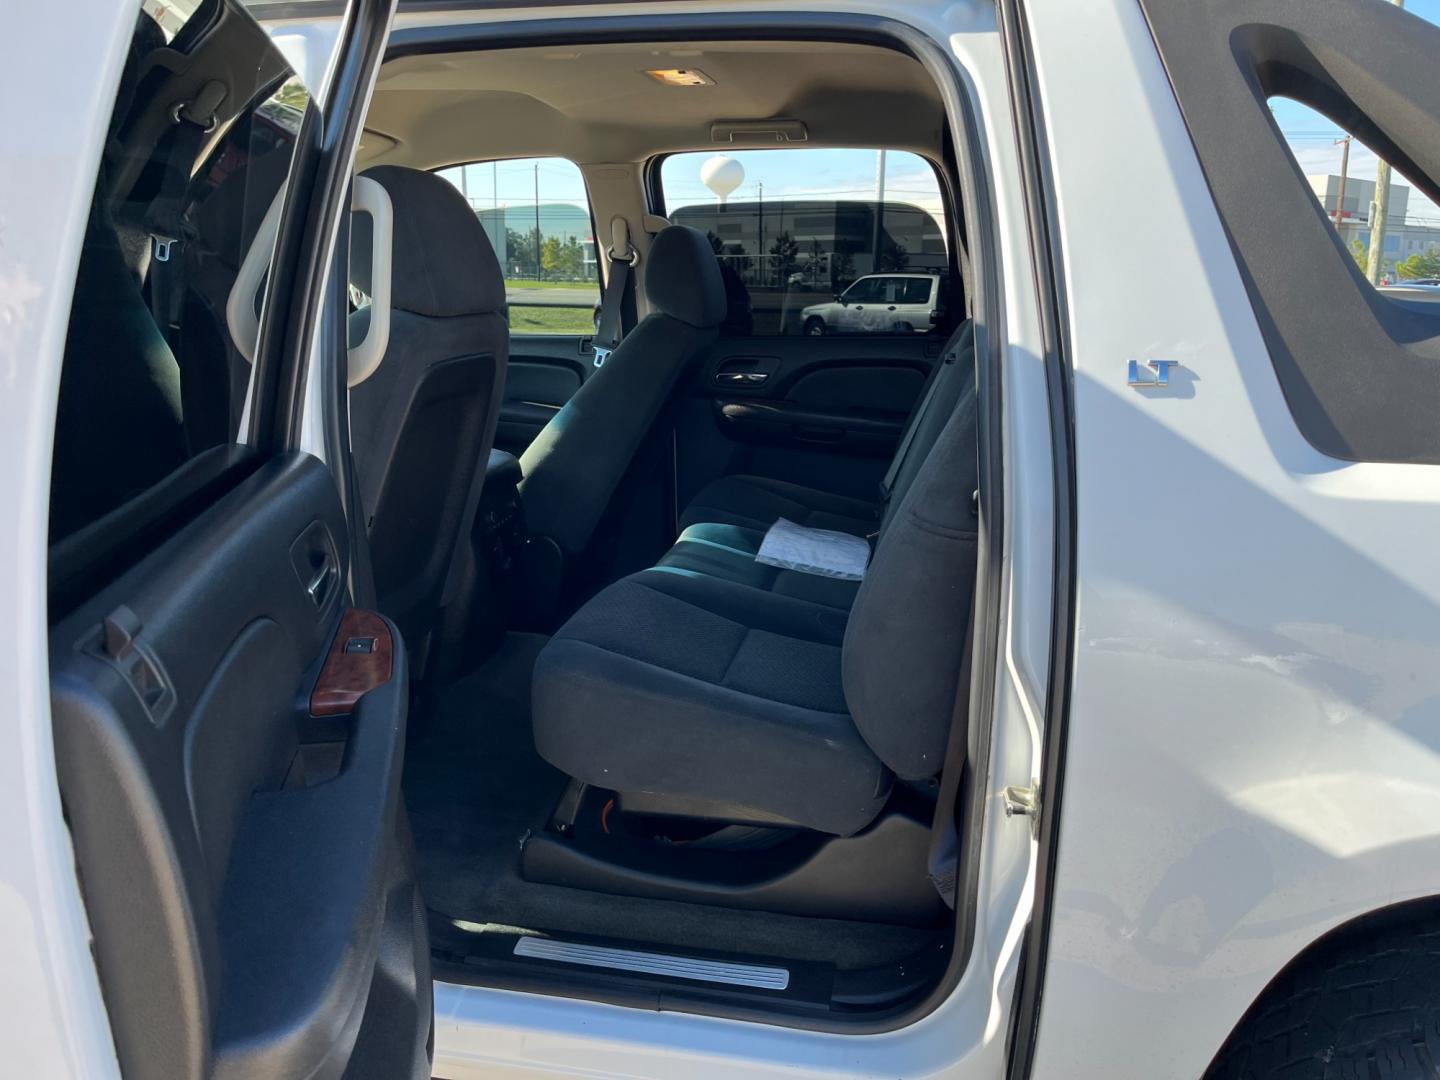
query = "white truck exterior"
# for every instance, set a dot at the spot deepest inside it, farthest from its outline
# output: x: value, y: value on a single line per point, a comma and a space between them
x: 1251, y: 755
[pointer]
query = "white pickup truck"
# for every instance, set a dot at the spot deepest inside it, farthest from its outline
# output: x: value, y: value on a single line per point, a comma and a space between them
x: 398, y: 686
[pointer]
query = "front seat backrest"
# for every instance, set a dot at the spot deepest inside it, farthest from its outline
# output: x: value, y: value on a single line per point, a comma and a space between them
x: 421, y: 426
x: 575, y: 464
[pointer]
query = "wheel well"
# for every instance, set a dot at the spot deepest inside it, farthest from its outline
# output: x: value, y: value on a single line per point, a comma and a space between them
x: 1367, y: 933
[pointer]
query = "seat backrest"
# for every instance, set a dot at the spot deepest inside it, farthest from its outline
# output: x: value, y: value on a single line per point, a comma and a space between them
x: 903, y: 643
x: 574, y: 465
x: 422, y: 424
x: 953, y: 374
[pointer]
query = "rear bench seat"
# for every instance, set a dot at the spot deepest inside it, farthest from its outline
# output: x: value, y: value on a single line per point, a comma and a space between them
x: 723, y: 526
x: 748, y: 694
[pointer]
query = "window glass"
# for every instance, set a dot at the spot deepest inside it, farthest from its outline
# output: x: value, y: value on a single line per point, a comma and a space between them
x: 804, y: 236
x: 1386, y: 223
x: 152, y: 380
x: 537, y: 215
x: 914, y: 290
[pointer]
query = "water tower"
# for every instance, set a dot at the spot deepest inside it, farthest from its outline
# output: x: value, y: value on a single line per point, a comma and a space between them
x: 722, y: 175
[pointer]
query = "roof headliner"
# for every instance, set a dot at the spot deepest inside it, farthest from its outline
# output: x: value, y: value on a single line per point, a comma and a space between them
x: 594, y: 103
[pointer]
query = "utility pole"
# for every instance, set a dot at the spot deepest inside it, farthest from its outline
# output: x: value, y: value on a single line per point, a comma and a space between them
x: 1344, y: 169
x: 537, y: 218
x: 1379, y: 212
x: 879, y: 208
x: 760, y: 260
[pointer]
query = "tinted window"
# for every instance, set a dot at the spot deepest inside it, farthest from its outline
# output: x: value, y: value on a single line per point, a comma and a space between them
x: 864, y: 291
x: 152, y: 379
x: 914, y: 291
x: 537, y: 215
x: 796, y: 229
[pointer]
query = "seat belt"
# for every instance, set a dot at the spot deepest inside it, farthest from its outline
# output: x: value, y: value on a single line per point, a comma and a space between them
x: 949, y: 356
x: 619, y: 292
x: 944, y: 856
x: 164, y: 218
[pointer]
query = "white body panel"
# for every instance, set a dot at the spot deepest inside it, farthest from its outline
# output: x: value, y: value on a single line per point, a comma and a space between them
x: 54, y: 108
x: 1254, y: 742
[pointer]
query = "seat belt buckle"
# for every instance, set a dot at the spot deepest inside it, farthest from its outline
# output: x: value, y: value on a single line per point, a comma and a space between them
x: 602, y: 353
x: 161, y: 245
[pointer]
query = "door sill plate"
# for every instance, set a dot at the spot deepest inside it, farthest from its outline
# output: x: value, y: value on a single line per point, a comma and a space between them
x: 647, y: 963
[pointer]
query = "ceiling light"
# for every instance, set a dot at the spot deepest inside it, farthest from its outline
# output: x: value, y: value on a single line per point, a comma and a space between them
x: 680, y: 76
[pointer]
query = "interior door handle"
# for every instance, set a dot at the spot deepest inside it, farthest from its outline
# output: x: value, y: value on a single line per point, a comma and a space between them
x: 743, y: 378
x: 320, y: 585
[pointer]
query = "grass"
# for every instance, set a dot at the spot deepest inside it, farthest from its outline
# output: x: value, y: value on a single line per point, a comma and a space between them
x: 530, y: 283
x: 551, y: 320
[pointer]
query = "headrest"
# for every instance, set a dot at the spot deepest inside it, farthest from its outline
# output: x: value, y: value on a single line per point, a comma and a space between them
x: 442, y: 263
x: 682, y: 277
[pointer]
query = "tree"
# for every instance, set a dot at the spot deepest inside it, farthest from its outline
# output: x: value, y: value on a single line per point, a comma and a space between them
x: 842, y: 265
x: 894, y: 256
x: 1423, y: 264
x: 550, y: 255
x: 814, y: 265
x: 716, y: 244
x: 570, y: 261
x: 519, y: 252
x: 787, y: 253
x: 1358, y: 253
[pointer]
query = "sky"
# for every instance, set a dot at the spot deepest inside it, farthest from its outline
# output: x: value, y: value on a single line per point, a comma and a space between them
x: 800, y: 173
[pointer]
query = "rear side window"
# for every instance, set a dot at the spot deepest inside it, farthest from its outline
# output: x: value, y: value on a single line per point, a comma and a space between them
x: 819, y: 242
x: 1292, y: 108
x: 537, y: 215
x: 153, y: 385
x: 1384, y: 221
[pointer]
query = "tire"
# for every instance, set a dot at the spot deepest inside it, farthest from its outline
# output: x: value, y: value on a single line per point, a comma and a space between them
x: 815, y: 326
x: 1360, y: 1009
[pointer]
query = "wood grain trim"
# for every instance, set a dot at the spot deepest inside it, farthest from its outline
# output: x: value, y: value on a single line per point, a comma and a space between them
x: 347, y: 677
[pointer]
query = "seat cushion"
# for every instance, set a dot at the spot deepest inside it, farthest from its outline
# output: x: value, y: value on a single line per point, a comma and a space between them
x: 756, y: 502
x: 673, y: 683
x: 727, y: 552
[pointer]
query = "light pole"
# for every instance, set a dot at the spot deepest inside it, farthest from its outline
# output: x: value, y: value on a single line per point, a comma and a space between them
x: 879, y: 208
x: 1379, y: 212
x: 537, y: 219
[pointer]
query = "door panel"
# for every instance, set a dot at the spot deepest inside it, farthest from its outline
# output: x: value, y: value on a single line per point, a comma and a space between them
x: 244, y: 863
x: 543, y: 372
x: 826, y: 412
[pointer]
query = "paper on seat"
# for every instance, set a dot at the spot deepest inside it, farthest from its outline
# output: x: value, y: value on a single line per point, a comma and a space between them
x: 814, y: 551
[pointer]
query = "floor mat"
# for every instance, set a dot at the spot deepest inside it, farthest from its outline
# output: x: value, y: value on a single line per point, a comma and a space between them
x: 475, y: 787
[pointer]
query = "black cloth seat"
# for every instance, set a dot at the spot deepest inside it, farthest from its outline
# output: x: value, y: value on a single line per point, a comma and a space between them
x: 726, y: 522
x: 757, y: 502
x: 576, y: 463
x: 422, y: 424
x: 727, y: 552
x: 679, y: 683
